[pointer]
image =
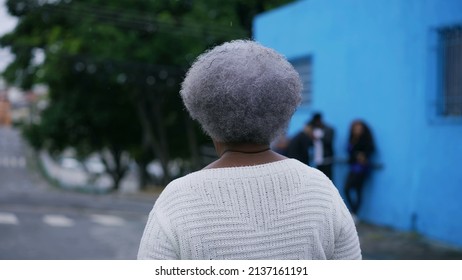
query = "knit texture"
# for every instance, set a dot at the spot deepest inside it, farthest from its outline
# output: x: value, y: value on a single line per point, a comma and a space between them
x: 278, y: 210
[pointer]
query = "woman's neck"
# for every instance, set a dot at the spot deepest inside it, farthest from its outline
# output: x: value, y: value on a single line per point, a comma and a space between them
x: 243, y: 154
x: 245, y: 148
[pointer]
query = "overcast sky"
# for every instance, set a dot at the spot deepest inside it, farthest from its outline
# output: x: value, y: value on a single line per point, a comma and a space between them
x: 7, y: 23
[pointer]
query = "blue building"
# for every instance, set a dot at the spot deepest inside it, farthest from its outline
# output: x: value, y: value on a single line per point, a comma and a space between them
x: 397, y: 64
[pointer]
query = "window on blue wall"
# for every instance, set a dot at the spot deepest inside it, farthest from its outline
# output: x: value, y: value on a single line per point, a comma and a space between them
x: 450, y: 48
x: 303, y: 66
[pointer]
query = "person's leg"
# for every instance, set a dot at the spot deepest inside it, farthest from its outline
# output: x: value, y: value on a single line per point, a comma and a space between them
x: 359, y: 183
x: 354, y: 182
x: 348, y: 188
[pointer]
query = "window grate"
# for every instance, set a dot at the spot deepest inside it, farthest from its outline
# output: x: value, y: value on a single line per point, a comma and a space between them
x: 450, y: 42
x: 304, y: 68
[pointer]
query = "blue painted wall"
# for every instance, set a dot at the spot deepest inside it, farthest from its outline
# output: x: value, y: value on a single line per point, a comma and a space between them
x: 375, y: 60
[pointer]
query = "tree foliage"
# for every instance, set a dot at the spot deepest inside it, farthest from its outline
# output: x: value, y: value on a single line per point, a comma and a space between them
x: 113, y: 69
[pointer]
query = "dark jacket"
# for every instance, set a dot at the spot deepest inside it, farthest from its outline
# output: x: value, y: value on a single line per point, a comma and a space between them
x: 364, y: 145
x: 298, y: 147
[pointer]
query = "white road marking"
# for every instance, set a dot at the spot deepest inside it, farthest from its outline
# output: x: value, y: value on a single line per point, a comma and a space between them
x: 21, y: 162
x: 107, y: 220
x: 13, y: 162
x: 4, y: 161
x: 58, y: 221
x: 8, y: 218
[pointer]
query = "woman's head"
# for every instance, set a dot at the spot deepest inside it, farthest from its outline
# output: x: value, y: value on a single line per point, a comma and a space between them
x: 242, y: 92
x: 359, y: 129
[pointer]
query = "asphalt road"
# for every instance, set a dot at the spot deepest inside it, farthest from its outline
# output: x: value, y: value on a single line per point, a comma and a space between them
x: 38, y: 221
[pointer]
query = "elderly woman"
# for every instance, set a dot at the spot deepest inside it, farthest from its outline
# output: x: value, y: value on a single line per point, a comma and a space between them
x: 251, y: 203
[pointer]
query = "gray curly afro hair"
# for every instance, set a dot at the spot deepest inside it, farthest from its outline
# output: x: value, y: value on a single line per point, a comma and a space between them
x: 242, y: 92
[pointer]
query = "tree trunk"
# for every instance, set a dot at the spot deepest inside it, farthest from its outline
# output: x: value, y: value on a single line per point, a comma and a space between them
x: 143, y: 175
x: 116, y: 168
x: 150, y: 139
x: 163, y: 143
x: 116, y: 179
x: 192, y: 142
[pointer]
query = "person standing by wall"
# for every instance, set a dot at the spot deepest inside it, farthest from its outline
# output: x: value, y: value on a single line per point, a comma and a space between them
x: 298, y: 146
x: 360, y: 148
x: 322, y: 137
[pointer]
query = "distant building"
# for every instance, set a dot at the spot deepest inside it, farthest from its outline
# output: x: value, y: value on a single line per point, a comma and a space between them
x: 398, y: 65
x: 5, y: 113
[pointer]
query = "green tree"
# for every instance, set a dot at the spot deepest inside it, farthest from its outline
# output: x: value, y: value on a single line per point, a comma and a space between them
x: 113, y: 69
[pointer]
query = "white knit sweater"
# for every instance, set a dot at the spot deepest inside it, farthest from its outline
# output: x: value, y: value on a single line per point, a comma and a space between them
x: 279, y: 210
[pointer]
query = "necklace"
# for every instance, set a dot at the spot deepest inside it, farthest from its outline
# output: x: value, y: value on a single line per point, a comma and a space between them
x: 245, y: 152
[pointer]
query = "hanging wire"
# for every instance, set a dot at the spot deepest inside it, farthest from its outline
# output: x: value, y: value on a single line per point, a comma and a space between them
x: 136, y: 21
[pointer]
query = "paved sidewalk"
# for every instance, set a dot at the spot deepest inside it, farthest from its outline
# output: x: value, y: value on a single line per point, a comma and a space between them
x: 379, y: 243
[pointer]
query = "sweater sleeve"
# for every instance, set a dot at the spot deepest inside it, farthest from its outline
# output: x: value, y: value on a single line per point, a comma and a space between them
x: 346, y: 245
x: 156, y: 244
